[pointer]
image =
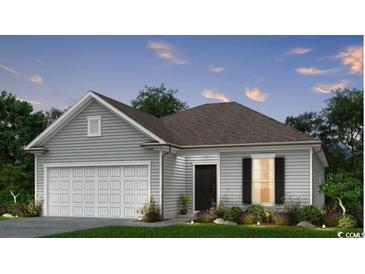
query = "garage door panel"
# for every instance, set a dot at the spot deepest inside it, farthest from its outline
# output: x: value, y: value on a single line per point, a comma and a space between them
x: 115, y: 191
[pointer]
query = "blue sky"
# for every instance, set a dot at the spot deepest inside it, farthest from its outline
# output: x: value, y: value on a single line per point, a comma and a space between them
x: 276, y: 75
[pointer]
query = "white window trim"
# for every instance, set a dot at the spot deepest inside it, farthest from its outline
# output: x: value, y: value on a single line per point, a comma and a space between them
x: 262, y: 156
x: 93, y: 118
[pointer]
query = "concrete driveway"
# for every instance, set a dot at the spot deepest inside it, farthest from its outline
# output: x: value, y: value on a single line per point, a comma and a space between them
x: 42, y: 226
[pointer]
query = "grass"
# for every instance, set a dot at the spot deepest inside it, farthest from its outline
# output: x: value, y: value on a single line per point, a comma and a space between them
x: 205, y: 231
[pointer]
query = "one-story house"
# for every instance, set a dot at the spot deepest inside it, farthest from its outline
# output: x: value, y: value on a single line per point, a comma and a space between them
x: 103, y: 158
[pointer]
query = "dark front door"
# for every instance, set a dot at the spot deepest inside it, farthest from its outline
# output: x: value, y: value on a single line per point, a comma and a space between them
x: 205, y: 186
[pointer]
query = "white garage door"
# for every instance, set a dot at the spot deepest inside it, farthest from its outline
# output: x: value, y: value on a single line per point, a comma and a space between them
x: 108, y: 191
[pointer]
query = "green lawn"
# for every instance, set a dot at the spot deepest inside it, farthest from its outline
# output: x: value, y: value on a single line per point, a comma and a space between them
x: 204, y: 231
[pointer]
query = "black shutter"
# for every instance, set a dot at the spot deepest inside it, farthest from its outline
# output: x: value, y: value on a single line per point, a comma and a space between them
x: 279, y: 180
x: 246, y: 180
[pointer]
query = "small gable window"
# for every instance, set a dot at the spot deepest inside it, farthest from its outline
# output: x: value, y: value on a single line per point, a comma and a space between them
x: 94, y: 126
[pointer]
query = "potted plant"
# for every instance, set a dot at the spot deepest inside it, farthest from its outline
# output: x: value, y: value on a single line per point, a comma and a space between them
x: 151, y: 211
x: 184, y: 200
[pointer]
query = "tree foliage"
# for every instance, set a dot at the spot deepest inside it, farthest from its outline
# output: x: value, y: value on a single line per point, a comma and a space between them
x: 340, y: 127
x: 344, y: 187
x: 158, y: 101
x: 15, y: 179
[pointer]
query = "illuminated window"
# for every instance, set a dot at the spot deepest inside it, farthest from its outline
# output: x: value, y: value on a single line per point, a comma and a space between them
x: 263, y: 181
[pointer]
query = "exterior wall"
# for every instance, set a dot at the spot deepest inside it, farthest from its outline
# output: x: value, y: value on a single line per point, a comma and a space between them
x: 297, y: 175
x: 174, y: 183
x: 190, y: 160
x: 119, y: 141
x: 318, y: 179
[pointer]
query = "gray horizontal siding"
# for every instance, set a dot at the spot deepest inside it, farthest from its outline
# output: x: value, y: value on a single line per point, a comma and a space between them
x: 318, y: 179
x: 297, y: 166
x: 190, y: 160
x: 174, y: 183
x: 119, y: 142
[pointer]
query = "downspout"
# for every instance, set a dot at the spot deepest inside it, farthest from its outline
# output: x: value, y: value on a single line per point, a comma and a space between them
x: 162, y: 181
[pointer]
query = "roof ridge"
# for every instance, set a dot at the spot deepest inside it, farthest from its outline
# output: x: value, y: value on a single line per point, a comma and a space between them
x: 276, y: 121
x: 220, y: 103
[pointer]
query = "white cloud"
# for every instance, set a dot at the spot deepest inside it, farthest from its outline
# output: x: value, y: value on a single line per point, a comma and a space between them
x: 10, y: 70
x: 353, y: 57
x: 216, y: 69
x: 331, y: 87
x: 314, y: 71
x: 256, y: 94
x: 299, y: 51
x: 36, y: 79
x: 167, y: 52
x: 29, y: 101
x: 216, y: 95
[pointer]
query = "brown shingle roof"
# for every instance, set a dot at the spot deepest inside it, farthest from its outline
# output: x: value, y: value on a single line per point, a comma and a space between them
x: 214, y: 124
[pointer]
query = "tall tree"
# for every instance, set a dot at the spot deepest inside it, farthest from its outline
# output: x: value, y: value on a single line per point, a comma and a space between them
x: 340, y: 127
x: 18, y: 127
x: 158, y: 101
x: 344, y: 118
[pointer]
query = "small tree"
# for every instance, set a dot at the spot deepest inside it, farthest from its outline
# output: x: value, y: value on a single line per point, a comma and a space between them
x: 343, y: 187
x: 15, y: 180
x: 158, y: 101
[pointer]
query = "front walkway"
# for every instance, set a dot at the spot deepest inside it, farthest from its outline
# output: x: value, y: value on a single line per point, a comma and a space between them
x: 43, y: 226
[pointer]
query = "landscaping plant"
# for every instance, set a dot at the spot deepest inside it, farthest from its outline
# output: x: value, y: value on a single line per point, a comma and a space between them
x: 331, y: 219
x: 151, y: 211
x: 184, y: 200
x: 204, y: 216
x: 247, y: 218
x: 259, y: 211
x: 293, y: 209
x: 218, y: 210
x: 347, y: 221
x: 281, y: 218
x: 233, y: 214
x: 33, y: 209
x: 311, y: 214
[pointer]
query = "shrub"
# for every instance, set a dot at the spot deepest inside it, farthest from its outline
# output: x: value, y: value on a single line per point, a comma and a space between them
x: 3, y: 210
x: 151, y: 207
x: 218, y: 211
x: 204, y: 216
x: 259, y: 211
x: 33, y: 209
x: 281, y: 218
x: 233, y: 214
x: 293, y: 209
x: 311, y: 214
x: 7, y: 200
x: 17, y: 210
x: 184, y: 200
x: 347, y: 221
x: 331, y: 218
x: 247, y: 218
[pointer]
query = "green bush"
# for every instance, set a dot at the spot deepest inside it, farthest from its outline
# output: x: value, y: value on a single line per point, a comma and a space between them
x: 233, y: 214
x: 293, y: 209
x: 33, y: 209
x: 3, y: 209
x: 311, y: 214
x: 281, y: 218
x: 331, y: 219
x: 260, y: 212
x: 204, y: 216
x: 247, y: 218
x: 218, y: 210
x: 18, y: 210
x: 347, y: 221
